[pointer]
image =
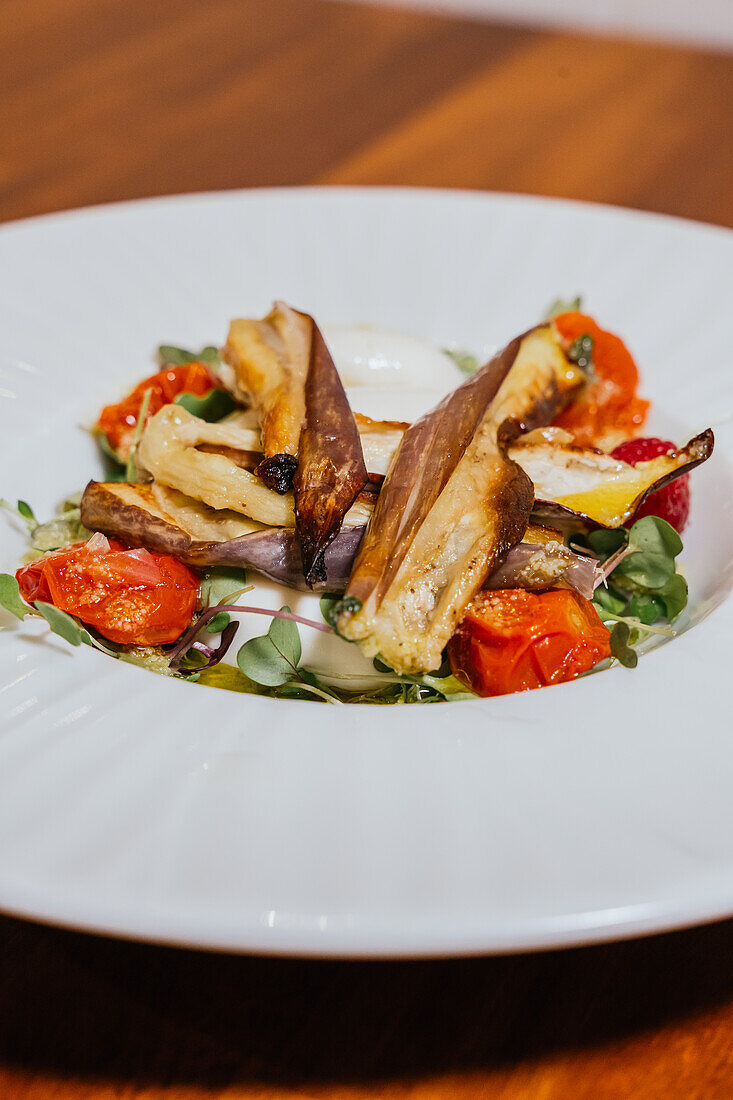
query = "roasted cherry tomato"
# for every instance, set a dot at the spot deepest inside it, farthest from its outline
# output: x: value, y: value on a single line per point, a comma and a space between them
x: 134, y: 597
x: 119, y: 422
x: 513, y: 640
x: 607, y: 409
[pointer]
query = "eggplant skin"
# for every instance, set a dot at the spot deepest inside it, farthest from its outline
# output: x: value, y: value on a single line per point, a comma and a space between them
x: 274, y: 552
x: 331, y: 471
x: 103, y: 509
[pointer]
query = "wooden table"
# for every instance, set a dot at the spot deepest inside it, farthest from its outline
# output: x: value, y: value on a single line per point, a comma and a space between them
x: 113, y: 99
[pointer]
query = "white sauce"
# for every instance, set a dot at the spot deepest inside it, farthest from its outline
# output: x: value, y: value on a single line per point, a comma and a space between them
x: 367, y: 356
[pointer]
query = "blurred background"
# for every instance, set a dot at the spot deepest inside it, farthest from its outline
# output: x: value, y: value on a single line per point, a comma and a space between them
x: 620, y: 101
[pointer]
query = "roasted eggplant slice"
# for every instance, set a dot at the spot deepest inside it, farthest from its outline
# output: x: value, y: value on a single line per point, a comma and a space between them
x: 268, y: 364
x: 310, y: 440
x: 379, y: 441
x: 582, y: 483
x: 165, y: 520
x: 542, y: 560
x: 171, y: 451
x: 331, y: 471
x: 453, y: 504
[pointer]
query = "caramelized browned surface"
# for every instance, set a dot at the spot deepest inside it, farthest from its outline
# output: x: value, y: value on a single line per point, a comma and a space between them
x: 265, y: 363
x: 427, y: 455
x: 331, y: 471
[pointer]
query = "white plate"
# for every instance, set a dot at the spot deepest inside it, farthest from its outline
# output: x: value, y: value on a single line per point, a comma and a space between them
x: 159, y: 810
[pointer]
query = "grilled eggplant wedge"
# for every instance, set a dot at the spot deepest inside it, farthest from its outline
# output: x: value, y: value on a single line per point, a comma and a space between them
x: 268, y: 363
x: 593, y: 487
x: 453, y: 505
x: 163, y: 519
x: 310, y: 440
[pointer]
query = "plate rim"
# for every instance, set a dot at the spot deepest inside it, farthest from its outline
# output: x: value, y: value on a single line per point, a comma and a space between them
x: 343, y: 945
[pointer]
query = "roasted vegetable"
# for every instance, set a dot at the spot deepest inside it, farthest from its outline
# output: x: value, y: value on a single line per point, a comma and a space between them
x: 541, y: 560
x: 331, y: 471
x: 452, y: 505
x: 379, y: 442
x: 162, y: 519
x: 512, y: 641
x: 118, y: 423
x: 608, y: 408
x: 168, y: 451
x: 587, y: 484
x: 171, y: 450
x: 309, y: 436
x: 268, y: 363
x: 129, y: 596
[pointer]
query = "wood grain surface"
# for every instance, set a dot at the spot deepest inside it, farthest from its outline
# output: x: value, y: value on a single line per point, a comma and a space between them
x: 113, y: 99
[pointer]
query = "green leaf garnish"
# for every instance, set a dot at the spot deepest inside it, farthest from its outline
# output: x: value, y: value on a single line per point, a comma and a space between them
x: 221, y: 584
x: 606, y: 600
x: 647, y: 609
x: 654, y: 535
x: 581, y: 352
x: 62, y: 624
x: 427, y: 688
x: 306, y: 686
x: 131, y: 467
x: 606, y: 542
x: 114, y: 467
x: 213, y: 406
x: 22, y: 511
x: 447, y: 686
x: 217, y: 624
x: 646, y: 569
x: 620, y: 647
x: 169, y: 355
x: 563, y: 305
x: 285, y: 637
x: 465, y: 362
x: 333, y: 606
x: 674, y: 596
x: 273, y: 658
x: 646, y: 586
x: 10, y: 597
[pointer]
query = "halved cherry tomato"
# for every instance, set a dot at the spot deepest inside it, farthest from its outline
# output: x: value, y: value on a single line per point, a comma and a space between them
x: 134, y: 597
x: 607, y: 409
x: 119, y: 422
x: 512, y: 640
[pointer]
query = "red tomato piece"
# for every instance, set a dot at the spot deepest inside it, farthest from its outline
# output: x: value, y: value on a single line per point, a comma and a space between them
x: 608, y: 409
x: 119, y: 422
x: 133, y: 597
x: 512, y: 640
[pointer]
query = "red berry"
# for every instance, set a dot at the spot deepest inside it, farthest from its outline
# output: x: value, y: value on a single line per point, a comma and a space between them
x: 673, y: 501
